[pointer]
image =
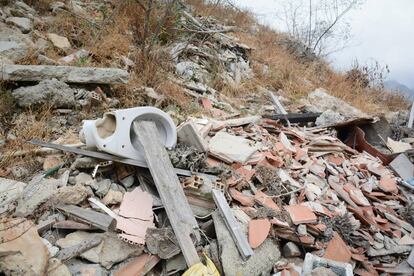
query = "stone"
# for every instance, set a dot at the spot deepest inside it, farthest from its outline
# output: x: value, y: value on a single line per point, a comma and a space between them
x: 329, y: 117
x: 82, y: 53
x: 112, y: 197
x: 53, y: 92
x: 128, y: 181
x: 230, y: 148
x: 84, y: 163
x: 302, y: 230
x: 139, y: 266
x: 322, y: 271
x: 10, y: 191
x: 14, y: 45
x: 84, y: 179
x: 57, y: 268
x: 321, y: 101
x: 118, y: 188
x: 258, y: 231
x: 23, y: 23
x: 187, y: 69
x: 77, y: 267
x: 290, y: 249
x: 30, y: 254
x: 68, y: 74
x: 72, y: 194
x: 23, y: 6
x: 46, y: 60
x: 51, y: 161
x: 58, y: 41
x: 37, y: 191
x: 110, y: 251
x: 19, y: 171
x: 262, y: 261
x: 53, y: 250
x: 102, y: 187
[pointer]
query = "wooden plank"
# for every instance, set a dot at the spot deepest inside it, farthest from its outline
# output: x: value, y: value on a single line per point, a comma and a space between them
x: 411, y: 118
x: 278, y: 106
x: 169, y: 188
x: 110, y: 157
x: 236, y: 232
x: 98, y: 220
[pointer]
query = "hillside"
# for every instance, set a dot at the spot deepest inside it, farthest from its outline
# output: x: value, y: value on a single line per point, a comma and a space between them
x: 145, y: 136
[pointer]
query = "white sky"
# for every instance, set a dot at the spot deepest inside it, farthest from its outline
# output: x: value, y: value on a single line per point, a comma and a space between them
x: 382, y: 29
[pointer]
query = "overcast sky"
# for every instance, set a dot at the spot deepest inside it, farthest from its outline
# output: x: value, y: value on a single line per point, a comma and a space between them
x: 382, y: 29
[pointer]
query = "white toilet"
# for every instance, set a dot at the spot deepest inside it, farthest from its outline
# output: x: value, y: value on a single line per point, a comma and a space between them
x: 113, y: 133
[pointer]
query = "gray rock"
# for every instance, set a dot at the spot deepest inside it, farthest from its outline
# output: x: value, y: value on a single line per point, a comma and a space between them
x: 25, y: 7
x: 329, y: 117
x: 84, y: 163
x: 23, y: 23
x: 19, y: 171
x: 321, y: 101
x: 187, y: 69
x: 110, y: 251
x: 103, y: 187
x: 290, y: 249
x: 13, y: 44
x: 118, y: 188
x: 128, y: 181
x: 58, y: 41
x: 10, y: 191
x: 69, y: 74
x: 38, y: 191
x: 77, y: 267
x: 322, y: 271
x: 261, y: 263
x: 83, y: 179
x: 302, y: 230
x: 53, y: 92
x: 45, y: 60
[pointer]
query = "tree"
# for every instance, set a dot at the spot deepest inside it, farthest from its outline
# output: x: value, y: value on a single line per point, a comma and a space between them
x: 320, y: 24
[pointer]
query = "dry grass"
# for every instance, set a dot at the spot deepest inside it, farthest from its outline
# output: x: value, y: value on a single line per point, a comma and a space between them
x: 27, y: 125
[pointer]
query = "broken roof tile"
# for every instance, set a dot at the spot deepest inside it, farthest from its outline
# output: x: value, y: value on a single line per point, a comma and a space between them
x: 337, y: 250
x: 258, y: 231
x: 300, y: 214
x: 388, y: 184
x: 266, y: 201
x: 241, y: 198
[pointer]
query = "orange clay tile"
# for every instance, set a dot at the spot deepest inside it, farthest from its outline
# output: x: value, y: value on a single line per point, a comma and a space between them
x: 266, y: 201
x: 300, y: 214
x: 337, y: 250
x: 388, y: 184
x: 258, y: 231
x: 241, y: 198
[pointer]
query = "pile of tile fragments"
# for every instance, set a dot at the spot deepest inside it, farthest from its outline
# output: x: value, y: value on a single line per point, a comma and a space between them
x: 290, y: 192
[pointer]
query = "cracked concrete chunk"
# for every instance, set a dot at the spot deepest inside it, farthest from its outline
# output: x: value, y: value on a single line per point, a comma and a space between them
x: 38, y: 191
x: 10, y: 191
x: 21, y: 237
x: 53, y: 92
x: 230, y: 148
x: 261, y: 263
x: 110, y: 251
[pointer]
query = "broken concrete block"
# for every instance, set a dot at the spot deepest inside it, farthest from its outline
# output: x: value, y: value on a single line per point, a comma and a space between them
x: 290, y: 249
x: 189, y: 135
x: 31, y: 255
x: 339, y: 268
x: 260, y: 263
x: 68, y: 74
x: 230, y: 148
x: 110, y: 251
x: 38, y: 191
x: 10, y: 190
x: 58, y: 41
x: 53, y: 92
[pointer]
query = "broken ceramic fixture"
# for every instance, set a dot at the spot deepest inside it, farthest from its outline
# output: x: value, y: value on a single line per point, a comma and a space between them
x: 113, y: 133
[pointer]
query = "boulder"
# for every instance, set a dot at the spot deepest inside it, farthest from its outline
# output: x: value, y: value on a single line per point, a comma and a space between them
x: 13, y: 44
x: 23, y: 23
x: 329, y: 117
x: 58, y: 41
x: 53, y: 92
